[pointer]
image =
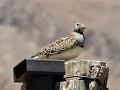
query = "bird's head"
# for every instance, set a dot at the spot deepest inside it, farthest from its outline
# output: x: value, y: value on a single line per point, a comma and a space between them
x: 79, y: 28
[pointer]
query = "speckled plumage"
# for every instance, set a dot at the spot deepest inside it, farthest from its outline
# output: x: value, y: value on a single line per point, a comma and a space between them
x: 65, y: 48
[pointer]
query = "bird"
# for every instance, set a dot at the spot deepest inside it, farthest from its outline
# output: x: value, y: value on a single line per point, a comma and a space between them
x: 65, y: 48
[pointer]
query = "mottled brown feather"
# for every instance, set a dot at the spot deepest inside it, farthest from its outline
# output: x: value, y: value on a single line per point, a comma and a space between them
x: 60, y: 45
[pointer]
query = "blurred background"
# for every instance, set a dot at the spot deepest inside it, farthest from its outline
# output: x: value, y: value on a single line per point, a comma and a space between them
x: 26, y: 26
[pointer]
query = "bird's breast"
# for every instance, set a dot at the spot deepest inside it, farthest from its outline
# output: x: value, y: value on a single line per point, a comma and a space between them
x: 67, y: 54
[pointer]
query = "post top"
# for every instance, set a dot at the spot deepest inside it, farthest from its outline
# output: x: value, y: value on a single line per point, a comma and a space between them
x: 31, y: 67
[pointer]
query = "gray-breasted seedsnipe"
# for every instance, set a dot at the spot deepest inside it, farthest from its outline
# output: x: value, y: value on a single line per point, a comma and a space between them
x: 65, y: 48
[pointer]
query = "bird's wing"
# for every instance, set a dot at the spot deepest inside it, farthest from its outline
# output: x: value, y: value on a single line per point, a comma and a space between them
x: 59, y: 45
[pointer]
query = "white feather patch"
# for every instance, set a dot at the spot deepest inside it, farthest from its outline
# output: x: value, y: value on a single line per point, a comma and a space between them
x: 78, y: 37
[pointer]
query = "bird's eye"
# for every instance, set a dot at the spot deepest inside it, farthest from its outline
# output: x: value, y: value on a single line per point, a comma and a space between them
x: 77, y: 24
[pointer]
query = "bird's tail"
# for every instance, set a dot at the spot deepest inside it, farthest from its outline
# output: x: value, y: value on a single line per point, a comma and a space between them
x: 39, y: 55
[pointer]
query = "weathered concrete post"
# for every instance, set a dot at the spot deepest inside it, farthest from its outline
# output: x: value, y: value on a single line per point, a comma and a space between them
x: 85, y: 75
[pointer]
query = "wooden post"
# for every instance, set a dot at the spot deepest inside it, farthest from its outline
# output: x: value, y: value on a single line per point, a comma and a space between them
x: 85, y: 75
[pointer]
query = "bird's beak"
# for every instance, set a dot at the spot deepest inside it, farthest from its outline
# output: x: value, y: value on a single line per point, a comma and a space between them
x: 82, y: 28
